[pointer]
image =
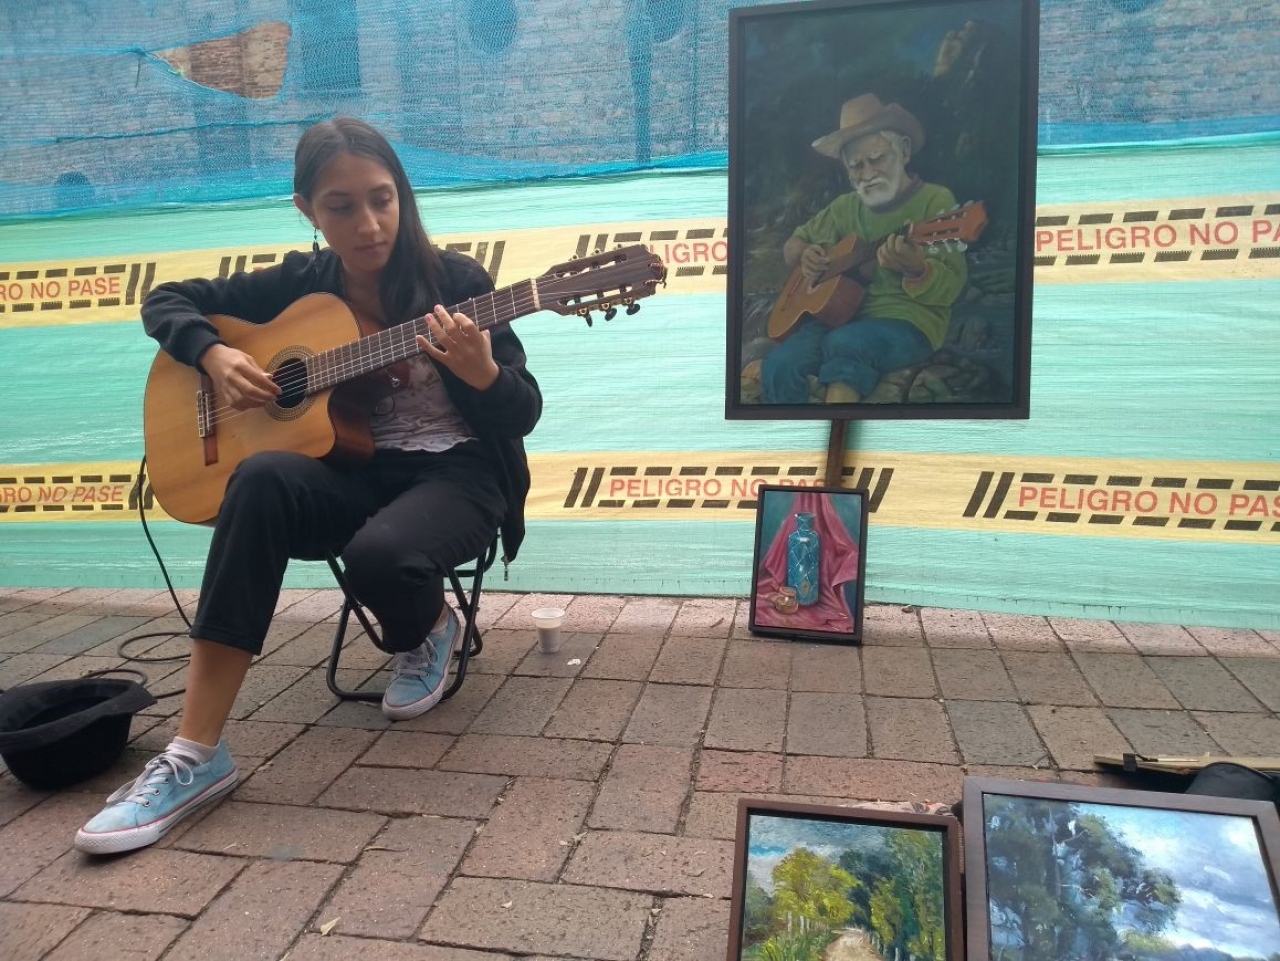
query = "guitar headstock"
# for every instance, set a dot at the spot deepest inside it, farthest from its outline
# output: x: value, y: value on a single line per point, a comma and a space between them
x: 602, y: 281
x: 954, y: 230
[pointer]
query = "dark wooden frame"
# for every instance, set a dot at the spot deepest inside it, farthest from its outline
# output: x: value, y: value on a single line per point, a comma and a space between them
x: 944, y: 825
x: 754, y: 625
x: 1263, y: 814
x: 1023, y: 23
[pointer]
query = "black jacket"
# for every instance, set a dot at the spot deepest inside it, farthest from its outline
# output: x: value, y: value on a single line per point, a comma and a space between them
x: 174, y: 314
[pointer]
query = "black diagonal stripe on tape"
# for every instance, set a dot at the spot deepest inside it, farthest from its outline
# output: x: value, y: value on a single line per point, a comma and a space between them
x: 1262, y: 485
x: 1106, y: 519
x: 1141, y: 216
x: 664, y: 234
x: 1001, y: 491
x: 1019, y: 515
x: 575, y: 486
x: 1054, y: 221
x: 1083, y: 260
x: 693, y: 471
x: 1203, y: 524
x: 1260, y: 253
x: 1121, y: 480
x: 979, y: 493
x: 1150, y: 522
x: 657, y: 472
x: 1045, y: 261
x: 690, y: 271
x: 1060, y: 517
x: 1036, y: 478
x: 597, y: 477
x: 1086, y: 219
x: 700, y: 233
x: 1241, y: 211
x: 1220, y: 255
x: 1087, y: 479
x: 1187, y: 213
x: 802, y: 471
x: 1128, y: 258
x: 131, y: 291
x: 881, y: 488
x: 732, y: 471
x: 1178, y: 482
x: 1243, y: 525
x: 1172, y: 256
x: 1213, y: 484
x: 624, y: 471
x: 864, y: 478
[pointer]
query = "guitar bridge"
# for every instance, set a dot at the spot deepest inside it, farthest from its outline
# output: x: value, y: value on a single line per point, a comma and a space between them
x: 202, y: 413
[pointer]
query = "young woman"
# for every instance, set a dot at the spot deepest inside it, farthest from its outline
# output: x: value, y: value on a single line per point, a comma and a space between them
x: 449, y: 468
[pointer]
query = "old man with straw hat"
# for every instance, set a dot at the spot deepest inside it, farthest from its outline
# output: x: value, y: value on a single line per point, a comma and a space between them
x: 904, y: 317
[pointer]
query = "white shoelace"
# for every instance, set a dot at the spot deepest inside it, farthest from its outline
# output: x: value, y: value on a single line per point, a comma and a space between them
x: 415, y: 663
x: 158, y: 771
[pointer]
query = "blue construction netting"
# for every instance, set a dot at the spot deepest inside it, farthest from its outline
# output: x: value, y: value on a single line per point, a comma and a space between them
x: 135, y: 103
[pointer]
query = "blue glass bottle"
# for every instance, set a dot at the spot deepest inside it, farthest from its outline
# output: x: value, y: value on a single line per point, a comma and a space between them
x: 802, y: 560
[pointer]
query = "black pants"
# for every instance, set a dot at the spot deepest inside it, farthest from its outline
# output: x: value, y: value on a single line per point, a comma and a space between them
x: 400, y: 522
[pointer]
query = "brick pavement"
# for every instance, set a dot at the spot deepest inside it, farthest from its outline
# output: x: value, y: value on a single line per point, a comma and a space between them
x: 575, y: 806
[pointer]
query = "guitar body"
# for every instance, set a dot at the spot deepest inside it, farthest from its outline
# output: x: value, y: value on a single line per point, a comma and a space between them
x: 833, y: 298
x: 189, y: 472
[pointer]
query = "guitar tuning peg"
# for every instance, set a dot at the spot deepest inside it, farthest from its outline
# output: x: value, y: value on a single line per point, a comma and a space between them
x: 586, y: 315
x: 611, y: 313
x: 633, y: 308
x: 597, y: 252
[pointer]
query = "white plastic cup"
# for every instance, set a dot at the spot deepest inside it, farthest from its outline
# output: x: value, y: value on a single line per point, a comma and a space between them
x: 548, y: 620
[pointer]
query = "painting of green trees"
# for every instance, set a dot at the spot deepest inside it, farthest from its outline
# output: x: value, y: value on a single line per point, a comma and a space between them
x: 1075, y: 881
x: 820, y: 890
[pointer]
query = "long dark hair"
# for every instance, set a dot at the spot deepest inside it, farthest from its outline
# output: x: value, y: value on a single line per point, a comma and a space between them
x: 410, y: 283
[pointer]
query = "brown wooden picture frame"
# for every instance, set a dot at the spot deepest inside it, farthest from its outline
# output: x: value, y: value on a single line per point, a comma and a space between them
x: 1075, y: 826
x: 874, y: 831
x: 790, y: 597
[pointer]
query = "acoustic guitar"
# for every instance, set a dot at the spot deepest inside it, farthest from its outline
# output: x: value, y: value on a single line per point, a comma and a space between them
x: 327, y: 359
x: 835, y: 296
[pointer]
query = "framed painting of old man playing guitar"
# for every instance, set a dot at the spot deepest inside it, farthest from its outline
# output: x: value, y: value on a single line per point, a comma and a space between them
x: 881, y: 209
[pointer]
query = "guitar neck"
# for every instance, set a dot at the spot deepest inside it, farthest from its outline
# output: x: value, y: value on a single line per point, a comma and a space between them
x: 338, y: 365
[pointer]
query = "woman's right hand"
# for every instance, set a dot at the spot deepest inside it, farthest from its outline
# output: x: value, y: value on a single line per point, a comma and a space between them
x: 238, y: 378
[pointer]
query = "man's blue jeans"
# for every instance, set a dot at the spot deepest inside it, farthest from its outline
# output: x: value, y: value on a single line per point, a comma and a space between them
x: 858, y: 353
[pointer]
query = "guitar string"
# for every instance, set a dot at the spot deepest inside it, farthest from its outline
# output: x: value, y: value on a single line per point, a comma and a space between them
x: 385, y: 352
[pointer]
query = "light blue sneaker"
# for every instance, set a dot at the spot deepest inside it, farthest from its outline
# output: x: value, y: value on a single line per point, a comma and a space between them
x: 170, y: 787
x: 419, y: 675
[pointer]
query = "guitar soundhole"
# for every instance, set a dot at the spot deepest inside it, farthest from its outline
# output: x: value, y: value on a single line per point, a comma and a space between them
x: 292, y: 378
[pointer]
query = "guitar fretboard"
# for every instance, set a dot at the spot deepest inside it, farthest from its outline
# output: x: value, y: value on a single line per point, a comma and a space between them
x: 376, y: 351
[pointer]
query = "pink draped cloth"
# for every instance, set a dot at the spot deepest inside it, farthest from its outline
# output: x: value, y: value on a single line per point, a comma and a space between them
x: 837, y: 566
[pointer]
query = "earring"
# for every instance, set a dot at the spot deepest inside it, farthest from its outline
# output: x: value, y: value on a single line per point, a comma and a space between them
x: 315, y: 242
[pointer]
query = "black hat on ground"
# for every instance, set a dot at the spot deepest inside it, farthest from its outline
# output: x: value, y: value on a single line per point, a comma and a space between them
x: 56, y: 733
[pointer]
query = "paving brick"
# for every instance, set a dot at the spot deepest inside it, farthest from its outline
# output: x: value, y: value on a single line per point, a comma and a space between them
x: 898, y: 673
x: 98, y: 630
x: 1074, y: 735
x: 1021, y: 632
x: 263, y: 683
x: 154, y: 880
x: 1168, y: 733
x: 306, y: 767
x: 645, y: 614
x: 23, y: 667
x: 826, y: 668
x: 532, y: 831
x: 888, y: 625
x: 947, y: 628
x: 519, y: 615
x: 972, y: 676
x: 1261, y: 675
x: 669, y: 714
x: 16, y: 634
x: 27, y: 931
x: 503, y: 650
x: 644, y: 789
x: 1202, y: 684
x: 282, y: 832
x: 624, y: 657
x: 535, y: 756
x: 995, y: 733
x: 1166, y: 639
x: 1086, y: 635
x: 594, y: 612
x: 311, y: 648
x: 689, y: 660
x: 522, y: 706
x: 391, y: 888
x: 1048, y: 678
x: 135, y: 937
x: 259, y: 916
x: 407, y: 749
x: 714, y: 814
x: 653, y: 862
x: 1227, y: 642
x: 756, y: 664
x: 575, y: 650
x: 314, y: 947
x: 44, y: 630
x: 16, y: 797
x: 690, y: 929
x: 42, y: 834
x: 595, y: 710
x: 1243, y: 735
x: 525, y: 917
x: 303, y: 701
x: 747, y: 719
x: 456, y: 714
x: 400, y: 791
x: 872, y: 779
x: 739, y: 771
x: 827, y: 723
x: 705, y: 617
x: 1123, y: 680
x: 910, y: 729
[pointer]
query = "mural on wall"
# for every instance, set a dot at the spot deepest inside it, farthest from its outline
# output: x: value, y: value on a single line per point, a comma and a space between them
x: 881, y: 192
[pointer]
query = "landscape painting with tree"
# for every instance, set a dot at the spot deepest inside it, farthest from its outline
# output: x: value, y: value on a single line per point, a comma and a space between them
x: 1073, y: 880
x: 843, y: 884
